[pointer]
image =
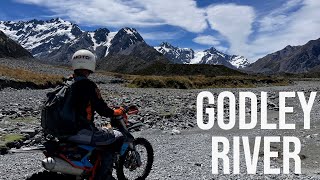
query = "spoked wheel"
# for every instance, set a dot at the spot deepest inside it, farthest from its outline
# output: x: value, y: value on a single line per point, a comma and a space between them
x: 46, y: 175
x: 128, y: 167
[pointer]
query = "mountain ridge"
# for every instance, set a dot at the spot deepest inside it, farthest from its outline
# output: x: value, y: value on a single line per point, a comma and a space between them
x: 291, y: 59
x: 208, y: 56
x: 9, y: 48
x: 55, y: 41
x: 45, y: 39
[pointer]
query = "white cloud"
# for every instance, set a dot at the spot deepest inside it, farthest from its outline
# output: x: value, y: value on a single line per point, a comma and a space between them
x: 279, y: 18
x: 206, y: 40
x: 221, y: 49
x: 300, y: 27
x: 118, y: 13
x: 182, y: 13
x: 294, y: 23
x: 160, y: 35
x: 234, y: 23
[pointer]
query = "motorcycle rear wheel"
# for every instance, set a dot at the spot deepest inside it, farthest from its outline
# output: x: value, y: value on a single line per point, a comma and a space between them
x: 146, y: 144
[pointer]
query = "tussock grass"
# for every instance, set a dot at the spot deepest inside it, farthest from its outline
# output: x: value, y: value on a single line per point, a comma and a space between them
x: 11, y: 138
x: 200, y: 81
x: 195, y: 76
x: 24, y: 119
x: 30, y: 76
x: 8, y: 138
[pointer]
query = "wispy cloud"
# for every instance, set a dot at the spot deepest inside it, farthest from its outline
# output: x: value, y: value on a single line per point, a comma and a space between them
x: 299, y: 27
x: 234, y: 22
x: 206, y: 40
x: 294, y: 23
x: 182, y: 13
x: 280, y: 17
x: 117, y: 13
x: 161, y: 35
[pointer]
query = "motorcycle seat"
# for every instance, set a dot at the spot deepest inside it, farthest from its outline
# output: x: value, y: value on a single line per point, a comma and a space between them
x: 84, y: 137
x: 87, y: 137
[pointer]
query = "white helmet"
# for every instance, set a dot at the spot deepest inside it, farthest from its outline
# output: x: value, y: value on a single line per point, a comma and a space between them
x: 83, y: 59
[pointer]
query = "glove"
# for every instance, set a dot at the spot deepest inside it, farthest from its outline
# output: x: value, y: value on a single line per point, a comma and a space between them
x: 120, y: 111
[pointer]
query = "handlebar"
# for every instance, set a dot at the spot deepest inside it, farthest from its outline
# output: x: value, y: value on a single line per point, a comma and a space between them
x: 133, y: 112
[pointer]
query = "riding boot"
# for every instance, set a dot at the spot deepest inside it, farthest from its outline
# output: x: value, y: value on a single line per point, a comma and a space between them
x: 105, y: 171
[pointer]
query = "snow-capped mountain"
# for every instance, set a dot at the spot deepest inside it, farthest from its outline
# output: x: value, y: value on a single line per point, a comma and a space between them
x: 175, y: 54
x: 212, y: 56
x: 209, y: 56
x: 239, y: 61
x: 56, y: 39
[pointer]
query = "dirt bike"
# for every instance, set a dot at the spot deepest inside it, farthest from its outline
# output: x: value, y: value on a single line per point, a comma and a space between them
x: 66, y: 160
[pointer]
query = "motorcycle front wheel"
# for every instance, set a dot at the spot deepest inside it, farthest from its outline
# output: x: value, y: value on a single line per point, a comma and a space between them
x: 126, y: 170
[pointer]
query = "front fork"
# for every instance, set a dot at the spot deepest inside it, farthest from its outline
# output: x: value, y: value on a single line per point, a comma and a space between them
x: 133, y: 159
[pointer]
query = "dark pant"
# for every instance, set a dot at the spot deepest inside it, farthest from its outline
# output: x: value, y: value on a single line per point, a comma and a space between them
x: 101, y: 137
x: 110, y: 142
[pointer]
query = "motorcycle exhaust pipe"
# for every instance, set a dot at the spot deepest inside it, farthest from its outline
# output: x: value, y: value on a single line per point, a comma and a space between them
x: 58, y: 165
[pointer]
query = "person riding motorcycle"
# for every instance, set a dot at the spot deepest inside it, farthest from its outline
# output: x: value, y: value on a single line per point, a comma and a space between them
x: 86, y: 99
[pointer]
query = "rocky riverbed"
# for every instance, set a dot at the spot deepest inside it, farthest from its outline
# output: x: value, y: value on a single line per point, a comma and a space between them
x: 182, y: 151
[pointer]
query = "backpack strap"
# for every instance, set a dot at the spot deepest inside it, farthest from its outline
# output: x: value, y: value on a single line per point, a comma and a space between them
x: 79, y: 78
x: 70, y: 81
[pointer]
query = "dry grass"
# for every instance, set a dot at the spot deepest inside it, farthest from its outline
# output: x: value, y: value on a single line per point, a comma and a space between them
x: 29, y: 76
x: 188, y: 82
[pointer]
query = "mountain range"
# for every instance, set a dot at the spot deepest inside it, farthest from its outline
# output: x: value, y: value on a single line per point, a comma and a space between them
x: 125, y: 50
x: 208, y: 56
x: 56, y: 40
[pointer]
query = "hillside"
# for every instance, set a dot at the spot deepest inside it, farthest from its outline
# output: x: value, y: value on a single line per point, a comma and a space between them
x: 130, y: 60
x: 291, y: 59
x: 9, y: 48
x: 188, y: 69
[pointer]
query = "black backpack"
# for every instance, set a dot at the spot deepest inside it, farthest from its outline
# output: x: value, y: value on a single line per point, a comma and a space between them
x: 57, y: 116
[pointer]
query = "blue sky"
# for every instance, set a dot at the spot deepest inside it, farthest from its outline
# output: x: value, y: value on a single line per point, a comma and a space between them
x: 252, y: 28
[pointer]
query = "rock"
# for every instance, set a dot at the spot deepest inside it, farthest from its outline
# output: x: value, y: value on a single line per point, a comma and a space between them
x: 26, y: 136
x: 198, y: 164
x: 27, y: 142
x: 10, y: 144
x: 37, y: 139
x: 302, y: 157
x: 190, y: 124
x: 3, y: 150
x: 308, y: 136
x: 175, y: 132
x: 31, y: 132
x: 2, y: 131
x: 17, y: 144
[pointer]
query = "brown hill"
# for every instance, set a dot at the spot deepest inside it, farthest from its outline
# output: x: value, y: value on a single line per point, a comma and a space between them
x: 291, y: 59
x: 9, y: 48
